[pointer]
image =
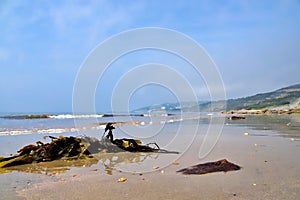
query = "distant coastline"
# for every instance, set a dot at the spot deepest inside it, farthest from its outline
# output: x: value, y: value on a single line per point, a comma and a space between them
x: 282, y: 101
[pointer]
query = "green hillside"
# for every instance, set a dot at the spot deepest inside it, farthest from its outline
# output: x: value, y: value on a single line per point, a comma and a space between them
x: 284, y: 97
x: 288, y: 97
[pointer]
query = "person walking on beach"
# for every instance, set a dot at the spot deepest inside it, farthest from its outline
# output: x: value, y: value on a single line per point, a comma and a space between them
x: 109, y: 127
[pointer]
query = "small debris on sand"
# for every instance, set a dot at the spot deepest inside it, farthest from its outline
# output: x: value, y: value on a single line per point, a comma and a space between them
x: 175, y: 163
x: 122, y: 179
x: 155, y: 167
x: 237, y: 117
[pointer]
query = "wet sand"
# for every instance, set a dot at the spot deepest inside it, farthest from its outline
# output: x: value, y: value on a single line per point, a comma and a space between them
x: 270, y: 170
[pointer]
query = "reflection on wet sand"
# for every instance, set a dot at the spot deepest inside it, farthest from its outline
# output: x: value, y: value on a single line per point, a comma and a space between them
x: 51, y: 167
x: 109, y: 161
x: 284, y: 125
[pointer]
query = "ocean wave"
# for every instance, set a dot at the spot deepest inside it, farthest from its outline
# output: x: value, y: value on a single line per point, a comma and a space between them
x: 70, y: 116
x: 59, y: 116
x: 63, y: 123
x: 49, y: 130
x: 97, y: 126
x: 67, y: 116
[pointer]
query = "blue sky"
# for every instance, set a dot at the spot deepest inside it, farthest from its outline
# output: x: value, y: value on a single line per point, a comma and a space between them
x: 255, y: 45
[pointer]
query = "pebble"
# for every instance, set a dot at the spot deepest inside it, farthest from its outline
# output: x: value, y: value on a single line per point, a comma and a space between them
x: 246, y: 134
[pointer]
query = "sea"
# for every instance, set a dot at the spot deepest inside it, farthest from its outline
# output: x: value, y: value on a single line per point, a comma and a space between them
x: 18, y: 130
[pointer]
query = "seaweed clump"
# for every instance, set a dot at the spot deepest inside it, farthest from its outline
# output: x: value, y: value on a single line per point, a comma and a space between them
x: 76, y: 148
x: 131, y: 145
x: 71, y: 148
x: 58, y: 148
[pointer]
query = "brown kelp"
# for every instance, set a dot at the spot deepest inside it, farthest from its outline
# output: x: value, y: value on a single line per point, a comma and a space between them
x: 73, y: 148
x: 210, y: 167
x: 76, y: 148
x: 61, y: 147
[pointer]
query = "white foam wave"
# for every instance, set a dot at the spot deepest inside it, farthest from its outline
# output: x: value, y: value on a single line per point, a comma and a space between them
x: 49, y: 130
x: 69, y: 116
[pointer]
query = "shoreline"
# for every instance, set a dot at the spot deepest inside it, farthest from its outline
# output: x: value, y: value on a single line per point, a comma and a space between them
x: 262, y: 111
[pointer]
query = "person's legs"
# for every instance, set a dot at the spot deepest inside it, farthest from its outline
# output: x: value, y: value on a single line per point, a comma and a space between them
x: 110, y: 136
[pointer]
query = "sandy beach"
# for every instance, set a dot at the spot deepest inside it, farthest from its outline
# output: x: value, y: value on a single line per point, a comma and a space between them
x: 268, y: 156
x: 149, y: 100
